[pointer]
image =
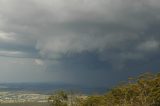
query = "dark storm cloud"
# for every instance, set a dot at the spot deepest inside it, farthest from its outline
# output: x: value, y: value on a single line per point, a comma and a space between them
x: 117, y: 32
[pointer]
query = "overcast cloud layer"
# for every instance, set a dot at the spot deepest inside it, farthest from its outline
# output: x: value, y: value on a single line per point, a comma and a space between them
x: 79, y: 41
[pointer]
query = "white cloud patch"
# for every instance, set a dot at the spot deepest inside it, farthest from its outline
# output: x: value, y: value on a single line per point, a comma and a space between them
x: 12, y: 53
x: 6, y: 36
x: 39, y: 62
x: 149, y: 46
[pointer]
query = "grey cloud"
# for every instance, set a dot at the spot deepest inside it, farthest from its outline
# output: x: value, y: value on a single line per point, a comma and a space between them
x: 75, y: 26
x: 117, y: 31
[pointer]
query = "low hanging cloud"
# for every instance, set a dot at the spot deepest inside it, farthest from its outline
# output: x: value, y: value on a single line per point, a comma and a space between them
x: 115, y: 30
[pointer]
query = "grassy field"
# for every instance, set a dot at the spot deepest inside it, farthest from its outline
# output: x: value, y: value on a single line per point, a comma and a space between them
x: 25, y: 104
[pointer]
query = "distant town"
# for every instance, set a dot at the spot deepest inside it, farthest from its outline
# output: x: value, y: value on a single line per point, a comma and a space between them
x: 21, y: 97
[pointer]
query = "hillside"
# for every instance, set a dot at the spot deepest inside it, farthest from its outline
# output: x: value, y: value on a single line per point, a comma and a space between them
x: 141, y: 91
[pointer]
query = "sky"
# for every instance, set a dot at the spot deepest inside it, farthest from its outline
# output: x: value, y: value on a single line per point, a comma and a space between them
x: 84, y: 42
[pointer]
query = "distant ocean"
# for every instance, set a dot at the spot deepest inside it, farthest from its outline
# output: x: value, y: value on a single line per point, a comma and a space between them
x: 48, y: 88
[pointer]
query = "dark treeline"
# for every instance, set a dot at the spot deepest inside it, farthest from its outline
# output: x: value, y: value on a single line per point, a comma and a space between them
x: 141, y: 91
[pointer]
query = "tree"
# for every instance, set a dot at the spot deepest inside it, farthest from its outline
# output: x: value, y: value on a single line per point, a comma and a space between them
x: 59, y: 98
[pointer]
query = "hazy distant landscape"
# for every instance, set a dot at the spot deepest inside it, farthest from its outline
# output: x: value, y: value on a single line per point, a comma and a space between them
x: 37, y: 94
x: 142, y: 90
x: 48, y: 88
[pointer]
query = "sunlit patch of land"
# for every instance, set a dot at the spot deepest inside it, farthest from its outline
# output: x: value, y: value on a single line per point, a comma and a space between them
x: 22, y: 97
